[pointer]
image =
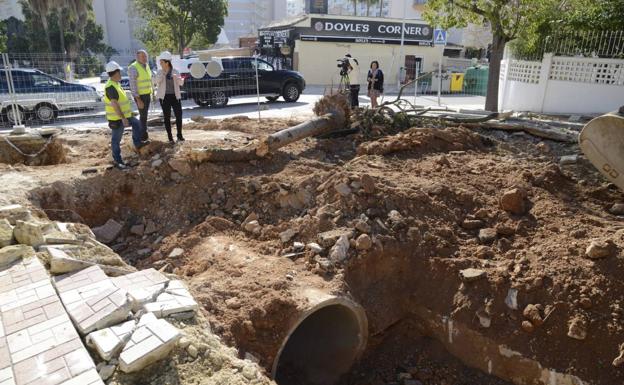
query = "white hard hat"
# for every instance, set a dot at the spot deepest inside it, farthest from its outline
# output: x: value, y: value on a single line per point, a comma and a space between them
x: 165, y: 55
x: 112, y: 66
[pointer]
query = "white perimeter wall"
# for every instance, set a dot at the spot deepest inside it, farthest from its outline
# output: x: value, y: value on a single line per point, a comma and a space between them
x: 562, y: 85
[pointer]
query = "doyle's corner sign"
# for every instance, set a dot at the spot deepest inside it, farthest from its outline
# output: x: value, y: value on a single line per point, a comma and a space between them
x: 439, y: 37
x: 366, y: 31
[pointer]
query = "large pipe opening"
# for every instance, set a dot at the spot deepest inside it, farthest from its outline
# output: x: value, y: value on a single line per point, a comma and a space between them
x: 322, y: 347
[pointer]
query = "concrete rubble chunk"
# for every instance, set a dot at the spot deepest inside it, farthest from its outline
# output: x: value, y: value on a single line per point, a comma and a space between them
x: 601, y: 249
x: 175, y: 253
x: 91, y: 299
x: 9, y: 254
x: 150, y: 227
x: 6, y: 233
x: 167, y: 304
x: 149, y: 343
x: 138, y: 229
x: 472, y: 274
x: 143, y: 286
x: 29, y: 233
x: 512, y: 299
x: 339, y: 251
x: 328, y: 238
x: 108, y: 232
x: 106, y: 371
x: 568, y: 159
x: 287, y: 235
x: 14, y: 213
x: 314, y: 247
x: 109, y: 342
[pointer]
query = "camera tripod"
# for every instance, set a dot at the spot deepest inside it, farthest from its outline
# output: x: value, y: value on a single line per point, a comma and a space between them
x: 344, y: 87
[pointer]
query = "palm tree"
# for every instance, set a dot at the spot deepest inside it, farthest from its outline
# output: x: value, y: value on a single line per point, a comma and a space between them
x: 71, y: 13
x: 42, y: 9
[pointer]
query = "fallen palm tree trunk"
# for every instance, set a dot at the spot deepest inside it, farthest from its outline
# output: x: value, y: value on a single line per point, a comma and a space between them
x: 333, y: 111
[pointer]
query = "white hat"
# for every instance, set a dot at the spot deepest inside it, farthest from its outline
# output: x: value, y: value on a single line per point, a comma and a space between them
x: 112, y: 66
x: 165, y: 55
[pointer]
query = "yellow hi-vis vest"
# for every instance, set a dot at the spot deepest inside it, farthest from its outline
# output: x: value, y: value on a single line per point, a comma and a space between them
x: 124, y: 102
x: 144, y: 80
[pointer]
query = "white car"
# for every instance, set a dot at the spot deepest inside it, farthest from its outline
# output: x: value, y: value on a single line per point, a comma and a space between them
x: 41, y: 96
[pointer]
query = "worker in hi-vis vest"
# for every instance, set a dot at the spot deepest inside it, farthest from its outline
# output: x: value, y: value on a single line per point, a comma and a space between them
x: 119, y: 114
x: 140, y: 76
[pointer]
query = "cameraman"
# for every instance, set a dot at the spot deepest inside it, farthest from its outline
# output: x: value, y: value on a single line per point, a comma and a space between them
x: 354, y: 79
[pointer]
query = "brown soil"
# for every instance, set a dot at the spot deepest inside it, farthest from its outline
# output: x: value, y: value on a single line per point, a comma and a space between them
x: 426, y: 193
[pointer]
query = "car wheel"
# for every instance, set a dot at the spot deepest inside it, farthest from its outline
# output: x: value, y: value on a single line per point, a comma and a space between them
x: 291, y: 92
x: 201, y: 101
x: 219, y: 99
x: 272, y: 99
x: 45, y: 113
x: 8, y: 115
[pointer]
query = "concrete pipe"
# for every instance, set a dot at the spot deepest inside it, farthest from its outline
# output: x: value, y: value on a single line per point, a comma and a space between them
x: 323, y: 343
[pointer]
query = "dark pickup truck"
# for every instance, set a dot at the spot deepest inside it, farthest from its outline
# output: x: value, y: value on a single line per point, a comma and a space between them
x: 238, y: 78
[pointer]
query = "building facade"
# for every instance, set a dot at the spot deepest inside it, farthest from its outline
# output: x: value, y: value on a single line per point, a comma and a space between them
x: 245, y: 17
x: 120, y: 23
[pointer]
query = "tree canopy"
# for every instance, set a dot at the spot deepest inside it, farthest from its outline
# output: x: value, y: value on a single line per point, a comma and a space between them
x: 175, y: 24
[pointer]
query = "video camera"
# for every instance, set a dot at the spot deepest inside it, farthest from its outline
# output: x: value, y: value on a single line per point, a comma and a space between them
x: 343, y: 64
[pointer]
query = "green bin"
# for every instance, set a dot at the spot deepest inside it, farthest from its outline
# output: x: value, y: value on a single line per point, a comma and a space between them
x: 476, y: 80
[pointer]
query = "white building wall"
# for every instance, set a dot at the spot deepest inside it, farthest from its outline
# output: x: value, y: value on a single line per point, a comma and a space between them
x: 10, y: 8
x: 119, y: 21
x: 245, y: 17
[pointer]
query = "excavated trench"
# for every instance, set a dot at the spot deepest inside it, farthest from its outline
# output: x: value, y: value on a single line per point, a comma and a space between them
x: 321, y: 327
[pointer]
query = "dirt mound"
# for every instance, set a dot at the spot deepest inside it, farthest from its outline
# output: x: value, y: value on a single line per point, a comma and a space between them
x: 424, y: 140
x: 32, y: 151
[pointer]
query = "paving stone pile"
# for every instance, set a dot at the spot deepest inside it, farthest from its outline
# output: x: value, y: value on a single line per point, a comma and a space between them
x: 92, y: 296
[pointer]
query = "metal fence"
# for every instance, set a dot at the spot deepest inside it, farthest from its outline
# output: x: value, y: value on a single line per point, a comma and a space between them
x: 596, y: 44
x: 41, y: 89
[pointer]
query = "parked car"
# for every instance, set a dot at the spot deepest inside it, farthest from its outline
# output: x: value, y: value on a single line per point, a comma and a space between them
x: 41, y: 96
x: 239, y: 79
x: 125, y: 81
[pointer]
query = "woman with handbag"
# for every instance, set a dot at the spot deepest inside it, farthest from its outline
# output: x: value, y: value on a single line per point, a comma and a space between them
x: 168, y: 83
x: 375, y: 82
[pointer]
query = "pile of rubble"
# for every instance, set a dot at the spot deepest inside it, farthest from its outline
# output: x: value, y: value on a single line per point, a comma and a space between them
x: 121, y: 314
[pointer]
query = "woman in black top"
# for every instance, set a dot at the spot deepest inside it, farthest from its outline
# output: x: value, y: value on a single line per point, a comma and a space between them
x: 375, y: 82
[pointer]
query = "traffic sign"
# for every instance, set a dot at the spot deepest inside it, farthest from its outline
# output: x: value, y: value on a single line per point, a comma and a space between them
x: 439, y: 37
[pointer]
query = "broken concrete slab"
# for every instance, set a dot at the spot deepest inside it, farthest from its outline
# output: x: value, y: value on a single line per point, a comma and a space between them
x: 12, y: 253
x: 108, y: 232
x: 6, y: 233
x: 61, y: 263
x: 329, y: 238
x: 29, y: 233
x: 109, y: 342
x: 14, y: 213
x: 142, y: 286
x: 177, y: 287
x: 167, y: 304
x: 149, y: 343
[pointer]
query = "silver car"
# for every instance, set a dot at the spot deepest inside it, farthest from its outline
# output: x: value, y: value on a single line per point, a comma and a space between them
x: 41, y: 96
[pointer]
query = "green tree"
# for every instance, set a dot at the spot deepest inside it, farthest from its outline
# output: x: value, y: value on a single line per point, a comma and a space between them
x: 506, y: 18
x: 3, y: 36
x: 179, y: 21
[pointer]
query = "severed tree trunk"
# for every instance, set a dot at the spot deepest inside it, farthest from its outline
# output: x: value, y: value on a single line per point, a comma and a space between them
x: 496, y: 55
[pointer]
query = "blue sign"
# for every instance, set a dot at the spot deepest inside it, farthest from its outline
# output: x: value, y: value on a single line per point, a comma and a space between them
x: 439, y: 37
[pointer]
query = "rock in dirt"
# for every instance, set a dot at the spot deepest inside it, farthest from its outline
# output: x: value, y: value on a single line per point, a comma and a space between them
x: 108, y: 232
x: 532, y: 313
x: 298, y: 246
x: 339, y: 252
x: 314, y: 247
x: 527, y: 326
x: 619, y: 360
x: 329, y: 238
x: 106, y: 371
x: 484, y: 319
x: 192, y: 351
x: 8, y: 254
x: 287, y: 235
x: 577, y: 328
x: 14, y: 213
x: 157, y: 163
x: 343, y: 189
x: 362, y: 226
x: 484, y: 252
x: 487, y: 235
x: 368, y: 183
x: 253, y: 227
x: 175, y: 253
x: 514, y: 201
x: 138, y: 229
x: 395, y: 217
x: 363, y: 242
x: 150, y: 227
x: 470, y: 274
x: 601, y: 249
x: 617, y: 209
x: 182, y: 166
x: 472, y: 224
x: 184, y: 342
x: 233, y: 303
x: 568, y: 159
x: 6, y: 233
x: 512, y: 299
